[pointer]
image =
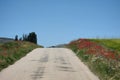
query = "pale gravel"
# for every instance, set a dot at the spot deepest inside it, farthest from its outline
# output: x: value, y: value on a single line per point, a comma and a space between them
x: 48, y: 64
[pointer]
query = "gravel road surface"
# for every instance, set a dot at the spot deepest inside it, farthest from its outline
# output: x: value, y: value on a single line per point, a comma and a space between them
x: 48, y: 64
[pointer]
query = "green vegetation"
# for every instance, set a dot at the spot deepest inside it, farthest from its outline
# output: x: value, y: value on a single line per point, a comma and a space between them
x: 100, y: 55
x: 13, y: 51
x: 32, y: 37
x: 112, y: 44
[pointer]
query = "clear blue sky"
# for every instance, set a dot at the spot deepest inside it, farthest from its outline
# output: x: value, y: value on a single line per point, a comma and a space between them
x: 60, y: 21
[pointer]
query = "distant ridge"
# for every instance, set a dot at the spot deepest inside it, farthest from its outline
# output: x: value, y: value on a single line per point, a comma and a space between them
x: 58, y: 46
x: 4, y: 39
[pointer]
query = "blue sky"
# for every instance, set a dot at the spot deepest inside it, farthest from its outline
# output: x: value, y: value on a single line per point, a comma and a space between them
x: 60, y: 21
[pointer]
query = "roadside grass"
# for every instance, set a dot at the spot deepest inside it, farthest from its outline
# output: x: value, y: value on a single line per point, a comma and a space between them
x: 13, y: 51
x: 100, y: 55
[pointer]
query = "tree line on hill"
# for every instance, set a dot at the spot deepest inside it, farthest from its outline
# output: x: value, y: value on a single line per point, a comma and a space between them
x: 31, y: 37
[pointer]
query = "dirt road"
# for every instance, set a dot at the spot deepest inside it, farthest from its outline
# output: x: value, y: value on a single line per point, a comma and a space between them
x: 48, y: 64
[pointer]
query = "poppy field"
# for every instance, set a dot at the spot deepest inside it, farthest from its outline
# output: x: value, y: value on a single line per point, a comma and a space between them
x: 101, y: 55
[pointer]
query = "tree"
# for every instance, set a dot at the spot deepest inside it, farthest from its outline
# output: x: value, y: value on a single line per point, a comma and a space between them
x: 16, y: 38
x: 20, y: 39
x: 25, y: 37
x: 32, y: 37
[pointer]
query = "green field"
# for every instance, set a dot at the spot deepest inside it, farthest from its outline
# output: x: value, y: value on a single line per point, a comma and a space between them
x: 113, y: 44
x: 13, y: 51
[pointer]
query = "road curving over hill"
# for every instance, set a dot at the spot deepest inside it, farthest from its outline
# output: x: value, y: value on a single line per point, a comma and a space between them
x: 48, y: 64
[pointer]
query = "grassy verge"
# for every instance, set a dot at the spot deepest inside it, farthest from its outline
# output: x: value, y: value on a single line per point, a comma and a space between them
x: 13, y: 51
x: 101, y: 56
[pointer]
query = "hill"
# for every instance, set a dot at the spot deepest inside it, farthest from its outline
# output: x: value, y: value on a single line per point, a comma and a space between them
x: 111, y: 44
x: 4, y: 40
x: 12, y: 51
x: 101, y: 55
x: 58, y: 46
